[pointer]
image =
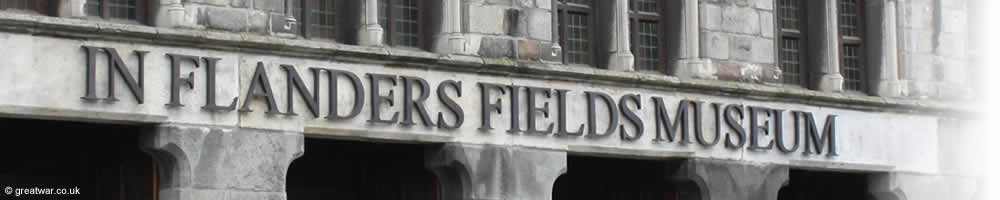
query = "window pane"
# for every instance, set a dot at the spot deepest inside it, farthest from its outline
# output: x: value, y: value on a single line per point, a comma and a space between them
x: 122, y: 9
x: 323, y: 20
x: 789, y: 17
x: 577, y: 38
x: 790, y: 66
x: 851, y: 67
x: 648, y: 51
x: 849, y: 18
x: 92, y: 8
x: 406, y: 23
x: 643, y: 5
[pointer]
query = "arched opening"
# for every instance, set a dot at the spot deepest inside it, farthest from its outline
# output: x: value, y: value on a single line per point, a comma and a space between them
x: 820, y: 185
x: 75, y: 160
x: 614, y: 179
x: 348, y: 170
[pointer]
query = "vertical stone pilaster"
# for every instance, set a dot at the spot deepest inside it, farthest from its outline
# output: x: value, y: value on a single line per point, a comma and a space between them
x: 556, y: 52
x: 451, y: 40
x: 826, y: 46
x: 619, y: 52
x: 720, y: 180
x: 212, y: 163
x: 481, y: 172
x: 883, y: 56
x: 689, y: 63
x: 70, y: 8
x: 170, y: 13
x: 370, y: 33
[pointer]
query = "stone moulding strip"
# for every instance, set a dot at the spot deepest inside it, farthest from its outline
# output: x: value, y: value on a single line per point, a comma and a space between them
x: 842, y: 166
x: 47, y: 113
x: 273, y: 45
x: 374, y: 136
x: 619, y: 152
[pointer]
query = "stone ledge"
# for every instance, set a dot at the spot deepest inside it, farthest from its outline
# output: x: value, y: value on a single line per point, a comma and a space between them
x: 209, y: 39
x: 46, y: 113
x: 375, y: 136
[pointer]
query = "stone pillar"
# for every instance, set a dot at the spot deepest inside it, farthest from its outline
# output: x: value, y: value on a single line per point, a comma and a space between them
x: 722, y: 180
x: 884, y: 187
x: 556, y: 52
x: 481, y: 172
x: 70, y: 8
x: 451, y: 40
x: 883, y: 55
x: 620, y: 56
x: 214, y: 163
x: 826, y: 46
x: 170, y: 13
x: 370, y: 33
x: 689, y: 63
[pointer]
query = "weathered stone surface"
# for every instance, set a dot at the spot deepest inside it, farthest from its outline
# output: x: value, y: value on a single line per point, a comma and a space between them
x: 496, y: 172
x: 489, y: 20
x: 496, y: 47
x: 731, y: 180
x: 269, y: 5
x: 767, y: 24
x: 539, y: 24
x: 527, y: 49
x: 214, y: 161
x: 710, y: 16
x: 715, y: 45
x: 226, y: 18
x: 741, y: 48
x: 740, y: 20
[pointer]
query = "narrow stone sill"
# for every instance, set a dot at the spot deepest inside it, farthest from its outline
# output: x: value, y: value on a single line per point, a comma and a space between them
x: 295, y: 47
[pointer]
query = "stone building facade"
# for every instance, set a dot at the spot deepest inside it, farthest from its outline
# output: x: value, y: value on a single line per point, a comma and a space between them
x: 492, y: 99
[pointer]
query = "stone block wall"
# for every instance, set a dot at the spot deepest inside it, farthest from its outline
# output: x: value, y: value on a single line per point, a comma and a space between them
x: 515, y: 29
x: 738, y: 37
x: 933, y: 41
x: 243, y: 16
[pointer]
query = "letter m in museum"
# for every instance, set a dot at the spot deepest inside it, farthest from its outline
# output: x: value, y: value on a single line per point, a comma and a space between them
x: 815, y: 141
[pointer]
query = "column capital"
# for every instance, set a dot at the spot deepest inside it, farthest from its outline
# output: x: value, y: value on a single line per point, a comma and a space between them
x: 204, y: 162
x: 469, y: 171
x: 724, y: 180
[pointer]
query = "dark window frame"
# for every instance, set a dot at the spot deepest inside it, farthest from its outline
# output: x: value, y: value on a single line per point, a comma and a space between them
x: 40, y: 6
x: 591, y: 11
x: 304, y: 10
x: 104, y: 12
x: 854, y: 40
x: 391, y: 18
x: 800, y: 34
x: 658, y: 17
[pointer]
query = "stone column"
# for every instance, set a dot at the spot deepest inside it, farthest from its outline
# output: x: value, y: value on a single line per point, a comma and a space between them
x: 370, y: 33
x: 71, y: 8
x: 214, y: 163
x: 488, y: 172
x: 688, y: 63
x: 451, y: 40
x: 170, y: 13
x: 883, y: 55
x: 826, y: 46
x: 619, y: 53
x: 722, y: 180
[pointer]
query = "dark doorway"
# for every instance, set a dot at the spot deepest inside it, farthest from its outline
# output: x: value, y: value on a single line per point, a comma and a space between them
x: 819, y: 185
x: 81, y: 161
x: 619, y: 179
x: 348, y: 170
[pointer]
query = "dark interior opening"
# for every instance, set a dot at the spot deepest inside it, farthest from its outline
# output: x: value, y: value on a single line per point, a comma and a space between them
x: 332, y: 169
x: 102, y: 161
x: 819, y: 185
x: 614, y: 179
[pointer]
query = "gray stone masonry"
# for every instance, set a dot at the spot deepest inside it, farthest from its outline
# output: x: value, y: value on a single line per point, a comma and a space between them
x: 214, y: 163
x: 738, y: 36
x: 487, y: 172
x: 726, y: 180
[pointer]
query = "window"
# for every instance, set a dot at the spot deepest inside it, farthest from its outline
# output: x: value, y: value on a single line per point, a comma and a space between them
x: 319, y: 20
x: 40, y: 6
x: 851, y: 44
x: 128, y: 10
x: 402, y: 21
x: 575, y: 31
x: 791, y: 51
x: 647, y: 44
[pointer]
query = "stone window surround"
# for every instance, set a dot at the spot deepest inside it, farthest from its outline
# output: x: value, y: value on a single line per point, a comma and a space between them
x: 823, y: 59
